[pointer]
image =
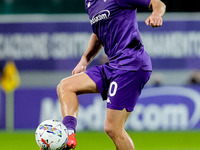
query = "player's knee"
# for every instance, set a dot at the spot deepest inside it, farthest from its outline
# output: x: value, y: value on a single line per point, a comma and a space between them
x: 58, y: 89
x: 63, y: 87
x: 110, y: 131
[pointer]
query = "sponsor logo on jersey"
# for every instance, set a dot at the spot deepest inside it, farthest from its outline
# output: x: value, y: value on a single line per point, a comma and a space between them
x: 101, y: 15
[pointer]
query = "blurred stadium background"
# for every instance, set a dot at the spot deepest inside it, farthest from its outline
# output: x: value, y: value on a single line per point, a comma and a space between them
x: 41, y: 41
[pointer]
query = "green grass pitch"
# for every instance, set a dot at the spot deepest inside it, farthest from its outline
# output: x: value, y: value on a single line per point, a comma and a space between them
x: 88, y: 140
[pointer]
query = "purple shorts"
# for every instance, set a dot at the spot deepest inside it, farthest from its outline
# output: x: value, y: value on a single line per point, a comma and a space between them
x: 121, y: 88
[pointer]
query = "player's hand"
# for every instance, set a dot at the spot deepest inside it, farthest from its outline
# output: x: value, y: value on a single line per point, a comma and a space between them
x: 81, y: 66
x: 154, y: 20
x: 78, y: 69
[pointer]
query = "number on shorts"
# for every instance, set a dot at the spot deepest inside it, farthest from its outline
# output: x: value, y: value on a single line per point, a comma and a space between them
x: 113, y: 88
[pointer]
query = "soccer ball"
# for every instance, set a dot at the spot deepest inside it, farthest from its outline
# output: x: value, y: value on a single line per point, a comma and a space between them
x: 51, y: 135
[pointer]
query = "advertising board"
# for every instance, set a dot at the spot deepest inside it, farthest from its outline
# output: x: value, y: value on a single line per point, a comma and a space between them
x: 159, y: 108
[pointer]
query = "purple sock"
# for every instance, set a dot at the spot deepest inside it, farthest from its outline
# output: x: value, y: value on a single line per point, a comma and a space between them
x: 70, y: 122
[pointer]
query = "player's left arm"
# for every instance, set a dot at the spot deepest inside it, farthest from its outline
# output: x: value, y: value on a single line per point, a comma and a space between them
x: 155, y: 19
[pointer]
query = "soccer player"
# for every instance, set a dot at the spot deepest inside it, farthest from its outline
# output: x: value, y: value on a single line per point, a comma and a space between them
x: 119, y: 81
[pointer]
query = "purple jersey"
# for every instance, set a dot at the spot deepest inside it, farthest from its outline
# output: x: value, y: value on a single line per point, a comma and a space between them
x: 114, y: 22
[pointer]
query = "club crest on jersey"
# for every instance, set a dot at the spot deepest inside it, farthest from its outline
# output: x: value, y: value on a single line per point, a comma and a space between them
x: 101, y: 15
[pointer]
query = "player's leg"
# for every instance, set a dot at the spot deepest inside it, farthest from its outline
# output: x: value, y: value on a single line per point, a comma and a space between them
x: 123, y: 93
x: 114, y: 128
x: 67, y: 90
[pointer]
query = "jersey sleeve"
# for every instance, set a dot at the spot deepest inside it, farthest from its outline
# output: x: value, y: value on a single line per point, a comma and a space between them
x: 133, y: 3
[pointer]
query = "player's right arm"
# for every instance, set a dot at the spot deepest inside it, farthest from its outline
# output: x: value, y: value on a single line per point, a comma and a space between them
x: 155, y: 19
x: 92, y: 50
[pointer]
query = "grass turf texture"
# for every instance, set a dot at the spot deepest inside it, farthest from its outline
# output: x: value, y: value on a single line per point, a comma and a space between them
x: 168, y: 140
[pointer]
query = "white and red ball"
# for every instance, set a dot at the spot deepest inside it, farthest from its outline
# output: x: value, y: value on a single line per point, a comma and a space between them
x: 51, y: 135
